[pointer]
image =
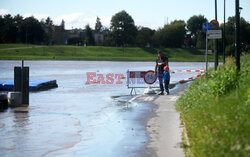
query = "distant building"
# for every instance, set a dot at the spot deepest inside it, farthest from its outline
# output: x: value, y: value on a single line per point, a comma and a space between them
x: 75, y: 33
x: 74, y: 36
x: 59, y: 36
x: 99, y: 39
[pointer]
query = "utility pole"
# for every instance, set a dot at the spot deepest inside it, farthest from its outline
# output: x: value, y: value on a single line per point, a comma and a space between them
x: 224, y: 33
x: 237, y: 33
x: 215, y: 42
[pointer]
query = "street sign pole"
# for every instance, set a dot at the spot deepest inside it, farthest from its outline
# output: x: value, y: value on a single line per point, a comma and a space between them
x: 224, y: 33
x: 206, y: 56
x: 211, y: 34
x: 237, y: 33
x: 206, y: 28
x: 215, y: 42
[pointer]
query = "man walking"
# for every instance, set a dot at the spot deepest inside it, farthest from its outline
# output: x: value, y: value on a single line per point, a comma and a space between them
x: 161, y: 62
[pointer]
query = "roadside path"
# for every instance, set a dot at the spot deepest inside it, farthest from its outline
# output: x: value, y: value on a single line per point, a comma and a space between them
x: 165, y: 130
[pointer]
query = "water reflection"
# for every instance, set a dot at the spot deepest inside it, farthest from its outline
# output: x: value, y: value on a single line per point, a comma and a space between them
x: 20, y: 128
x: 21, y: 118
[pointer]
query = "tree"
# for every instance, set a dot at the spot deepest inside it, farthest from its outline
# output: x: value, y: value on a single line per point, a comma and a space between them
x: 98, y: 25
x: 89, y: 39
x: 248, y: 33
x: 108, y: 39
x: 230, y: 30
x: 1, y: 29
x: 178, y: 21
x: 49, y: 22
x: 201, y: 42
x: 8, y: 29
x: 17, y: 22
x: 123, y: 29
x: 31, y: 31
x: 144, y: 36
x: 171, y: 35
x: 48, y: 30
x: 62, y: 24
x: 58, y: 34
x: 194, y: 26
x: 230, y: 34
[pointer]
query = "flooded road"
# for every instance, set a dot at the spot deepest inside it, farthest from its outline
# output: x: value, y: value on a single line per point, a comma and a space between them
x: 79, y: 119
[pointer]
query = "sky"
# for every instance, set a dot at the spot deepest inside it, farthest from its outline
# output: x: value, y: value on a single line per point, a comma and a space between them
x: 148, y: 13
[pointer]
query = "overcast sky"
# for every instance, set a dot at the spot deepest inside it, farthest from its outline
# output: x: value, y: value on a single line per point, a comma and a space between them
x: 149, y: 13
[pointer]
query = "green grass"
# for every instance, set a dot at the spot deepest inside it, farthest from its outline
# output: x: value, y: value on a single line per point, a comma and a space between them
x: 34, y: 52
x: 6, y: 46
x: 216, y: 112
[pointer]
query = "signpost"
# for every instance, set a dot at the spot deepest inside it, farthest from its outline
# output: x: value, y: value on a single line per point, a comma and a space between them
x: 237, y: 34
x: 212, y: 32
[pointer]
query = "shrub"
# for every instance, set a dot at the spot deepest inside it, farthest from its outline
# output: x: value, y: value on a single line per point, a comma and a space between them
x: 230, y: 50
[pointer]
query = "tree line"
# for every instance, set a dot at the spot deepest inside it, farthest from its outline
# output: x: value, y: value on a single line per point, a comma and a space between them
x: 16, y: 29
x: 122, y: 32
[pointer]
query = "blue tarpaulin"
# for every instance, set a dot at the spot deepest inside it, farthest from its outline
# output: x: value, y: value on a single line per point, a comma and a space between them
x: 34, y: 84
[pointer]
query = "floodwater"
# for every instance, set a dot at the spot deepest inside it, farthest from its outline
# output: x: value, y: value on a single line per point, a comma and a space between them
x: 79, y: 119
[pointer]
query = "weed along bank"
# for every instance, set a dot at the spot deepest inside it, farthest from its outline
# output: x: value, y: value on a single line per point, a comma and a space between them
x: 216, y: 112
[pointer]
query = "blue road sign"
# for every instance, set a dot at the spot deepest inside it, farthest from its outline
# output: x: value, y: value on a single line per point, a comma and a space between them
x: 206, y: 26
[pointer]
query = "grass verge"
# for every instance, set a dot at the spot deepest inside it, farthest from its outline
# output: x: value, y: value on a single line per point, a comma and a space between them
x: 216, y: 112
x: 9, y: 46
x: 35, y: 52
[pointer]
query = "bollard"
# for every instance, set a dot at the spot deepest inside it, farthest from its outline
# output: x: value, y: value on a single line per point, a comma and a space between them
x: 21, y: 83
x: 15, y: 99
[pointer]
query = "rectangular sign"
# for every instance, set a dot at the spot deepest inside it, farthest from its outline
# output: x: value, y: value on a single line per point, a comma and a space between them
x: 206, y: 26
x: 214, y: 34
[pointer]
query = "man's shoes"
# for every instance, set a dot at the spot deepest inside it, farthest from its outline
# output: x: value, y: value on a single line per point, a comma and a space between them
x: 167, y: 93
x: 161, y: 93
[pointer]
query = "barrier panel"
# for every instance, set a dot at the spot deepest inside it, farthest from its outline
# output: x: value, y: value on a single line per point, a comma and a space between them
x: 136, y: 79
